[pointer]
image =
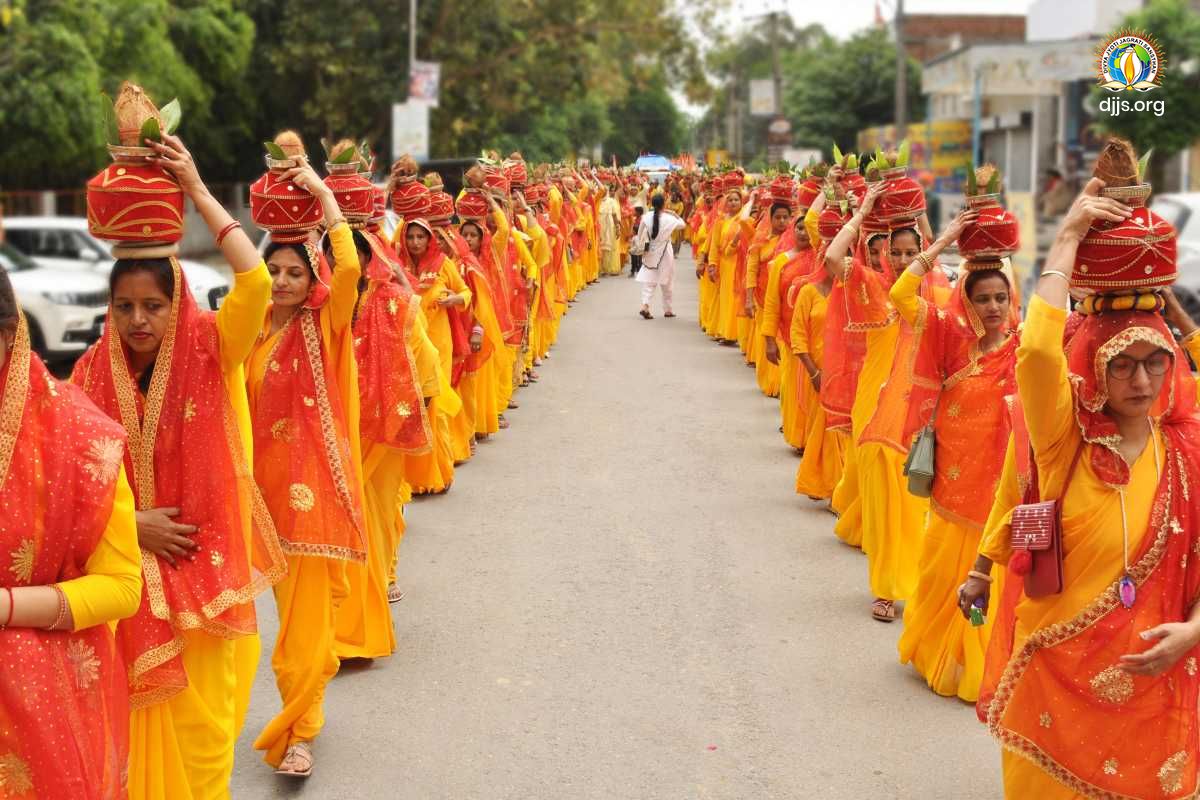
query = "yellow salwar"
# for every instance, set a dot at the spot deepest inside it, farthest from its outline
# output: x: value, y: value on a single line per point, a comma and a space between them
x: 185, y: 744
x: 793, y: 421
x: 893, y: 519
x: 765, y: 373
x: 941, y: 645
x: 846, y: 500
x: 725, y: 322
x: 389, y: 476
x: 304, y: 658
x: 462, y: 424
x: 700, y: 247
x: 1092, y: 529
x: 483, y: 383
x: 821, y: 467
x: 364, y: 621
x: 434, y: 471
x: 183, y: 747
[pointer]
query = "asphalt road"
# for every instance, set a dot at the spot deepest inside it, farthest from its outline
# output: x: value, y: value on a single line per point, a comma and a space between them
x: 622, y: 597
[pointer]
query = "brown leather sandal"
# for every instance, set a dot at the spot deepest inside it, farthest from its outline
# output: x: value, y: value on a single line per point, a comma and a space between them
x: 297, y: 761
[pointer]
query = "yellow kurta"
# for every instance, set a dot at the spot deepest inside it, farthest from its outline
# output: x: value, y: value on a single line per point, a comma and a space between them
x: 792, y: 421
x: 726, y: 320
x: 434, y: 471
x: 707, y: 289
x: 183, y: 747
x: 766, y: 373
x: 940, y: 643
x: 110, y: 588
x: 892, y: 518
x: 426, y: 357
x: 1092, y: 532
x: 821, y: 467
x: 304, y: 658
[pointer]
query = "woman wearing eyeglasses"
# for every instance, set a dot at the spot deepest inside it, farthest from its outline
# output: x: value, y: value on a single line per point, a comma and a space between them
x: 1092, y: 691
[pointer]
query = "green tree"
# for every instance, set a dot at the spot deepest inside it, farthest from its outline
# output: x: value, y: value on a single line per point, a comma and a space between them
x: 834, y: 91
x: 58, y: 56
x: 734, y: 62
x: 646, y: 119
x: 1177, y: 28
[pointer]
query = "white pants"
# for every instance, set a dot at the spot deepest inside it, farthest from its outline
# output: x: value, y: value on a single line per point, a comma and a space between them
x: 648, y: 295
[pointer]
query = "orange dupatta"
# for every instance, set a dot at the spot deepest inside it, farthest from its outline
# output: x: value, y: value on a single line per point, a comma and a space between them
x: 306, y: 445
x: 392, y: 407
x: 1060, y: 701
x: 185, y: 451
x: 64, y: 707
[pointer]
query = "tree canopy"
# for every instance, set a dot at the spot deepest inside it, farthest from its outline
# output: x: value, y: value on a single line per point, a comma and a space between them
x: 1177, y: 28
x: 831, y: 89
x: 551, y: 77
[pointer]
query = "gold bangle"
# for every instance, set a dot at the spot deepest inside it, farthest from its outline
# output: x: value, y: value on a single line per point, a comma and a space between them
x: 1190, y: 336
x: 1057, y: 272
x: 983, y: 576
x: 333, y: 223
x: 63, y: 608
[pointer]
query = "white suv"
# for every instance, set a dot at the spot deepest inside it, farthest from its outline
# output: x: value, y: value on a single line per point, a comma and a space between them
x: 65, y: 307
x: 66, y: 243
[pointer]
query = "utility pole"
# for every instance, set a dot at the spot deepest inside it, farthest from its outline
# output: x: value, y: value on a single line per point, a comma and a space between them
x: 776, y: 71
x: 412, y: 38
x: 901, y: 75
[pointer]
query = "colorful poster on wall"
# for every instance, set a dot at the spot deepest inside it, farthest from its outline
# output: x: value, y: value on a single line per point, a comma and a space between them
x: 1024, y: 208
x: 940, y: 151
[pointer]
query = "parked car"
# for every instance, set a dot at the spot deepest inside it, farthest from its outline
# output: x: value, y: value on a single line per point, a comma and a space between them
x: 66, y: 243
x: 1183, y: 211
x: 65, y: 308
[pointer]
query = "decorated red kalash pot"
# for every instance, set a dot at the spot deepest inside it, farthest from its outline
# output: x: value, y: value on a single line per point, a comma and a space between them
x: 994, y: 235
x: 903, y: 197
x: 410, y: 197
x: 472, y: 206
x: 441, y: 209
x: 496, y: 181
x: 516, y: 172
x: 780, y: 190
x: 1136, y: 254
x: 279, y: 206
x: 351, y: 188
x: 831, y: 219
x: 134, y: 202
x: 807, y: 191
x: 379, y: 203
x: 851, y: 182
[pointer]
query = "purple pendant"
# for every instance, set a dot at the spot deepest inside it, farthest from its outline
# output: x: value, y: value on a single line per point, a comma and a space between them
x: 1128, y: 591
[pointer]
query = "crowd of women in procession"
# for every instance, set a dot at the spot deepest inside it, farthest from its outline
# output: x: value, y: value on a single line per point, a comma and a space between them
x: 1025, y: 490
x: 196, y: 459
